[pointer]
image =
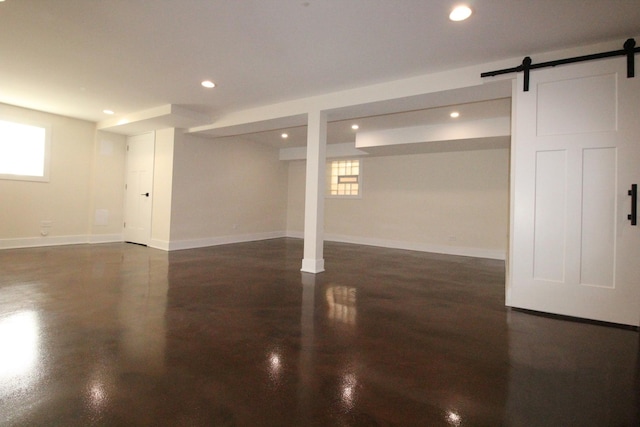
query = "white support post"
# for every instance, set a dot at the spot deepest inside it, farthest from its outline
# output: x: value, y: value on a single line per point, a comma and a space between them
x: 313, y: 261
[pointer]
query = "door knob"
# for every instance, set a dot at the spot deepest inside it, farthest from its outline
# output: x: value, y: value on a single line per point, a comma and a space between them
x: 145, y: 194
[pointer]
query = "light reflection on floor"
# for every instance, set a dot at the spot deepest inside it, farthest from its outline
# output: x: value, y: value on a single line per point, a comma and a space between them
x: 19, y: 350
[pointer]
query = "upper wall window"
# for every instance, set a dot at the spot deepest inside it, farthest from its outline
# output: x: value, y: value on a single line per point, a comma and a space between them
x: 344, y: 178
x: 24, y: 151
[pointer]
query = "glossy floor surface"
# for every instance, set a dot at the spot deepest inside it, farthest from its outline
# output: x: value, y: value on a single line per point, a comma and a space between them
x: 235, y: 335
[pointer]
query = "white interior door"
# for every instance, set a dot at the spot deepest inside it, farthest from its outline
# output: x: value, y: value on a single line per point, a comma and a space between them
x: 139, y: 188
x: 575, y: 155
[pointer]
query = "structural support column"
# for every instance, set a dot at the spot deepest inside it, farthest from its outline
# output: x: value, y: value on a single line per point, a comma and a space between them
x: 313, y: 261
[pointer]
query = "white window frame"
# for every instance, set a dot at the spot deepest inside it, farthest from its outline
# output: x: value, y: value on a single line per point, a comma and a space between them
x: 47, y: 150
x: 328, y: 194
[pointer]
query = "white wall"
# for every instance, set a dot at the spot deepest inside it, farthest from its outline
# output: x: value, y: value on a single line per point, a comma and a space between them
x: 448, y: 202
x: 86, y: 174
x: 226, y: 190
x: 107, y: 196
x: 162, y: 188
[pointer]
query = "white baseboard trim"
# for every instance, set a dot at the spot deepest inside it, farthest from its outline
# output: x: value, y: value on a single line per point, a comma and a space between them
x: 105, y: 238
x: 159, y: 244
x: 222, y: 240
x: 34, y: 242
x: 411, y: 246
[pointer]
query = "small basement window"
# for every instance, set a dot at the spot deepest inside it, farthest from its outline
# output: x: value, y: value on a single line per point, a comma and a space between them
x: 344, y: 178
x: 24, y: 151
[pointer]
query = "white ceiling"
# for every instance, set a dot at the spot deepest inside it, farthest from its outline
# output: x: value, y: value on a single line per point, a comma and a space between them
x: 78, y: 57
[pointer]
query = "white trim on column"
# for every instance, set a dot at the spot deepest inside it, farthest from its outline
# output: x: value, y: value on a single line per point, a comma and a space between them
x: 312, y: 266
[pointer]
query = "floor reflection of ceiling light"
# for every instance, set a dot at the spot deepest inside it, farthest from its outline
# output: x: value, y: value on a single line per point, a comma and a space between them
x: 97, y: 394
x: 275, y: 367
x: 348, y: 391
x: 453, y: 418
x: 274, y: 360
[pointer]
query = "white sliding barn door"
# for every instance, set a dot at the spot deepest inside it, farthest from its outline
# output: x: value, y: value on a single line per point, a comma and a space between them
x: 575, y: 155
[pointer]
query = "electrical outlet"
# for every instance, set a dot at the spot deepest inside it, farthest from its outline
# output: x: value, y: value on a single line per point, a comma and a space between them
x: 45, y: 226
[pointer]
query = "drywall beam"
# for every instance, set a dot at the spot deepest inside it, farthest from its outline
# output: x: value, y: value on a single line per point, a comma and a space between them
x: 486, y: 128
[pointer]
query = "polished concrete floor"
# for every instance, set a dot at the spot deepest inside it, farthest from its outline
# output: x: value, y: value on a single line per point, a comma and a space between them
x: 235, y: 335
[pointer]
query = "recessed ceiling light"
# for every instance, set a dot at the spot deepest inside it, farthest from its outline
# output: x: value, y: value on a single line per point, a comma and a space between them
x: 109, y: 112
x: 285, y: 135
x: 455, y: 114
x: 460, y: 13
x: 208, y: 84
x: 355, y: 127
